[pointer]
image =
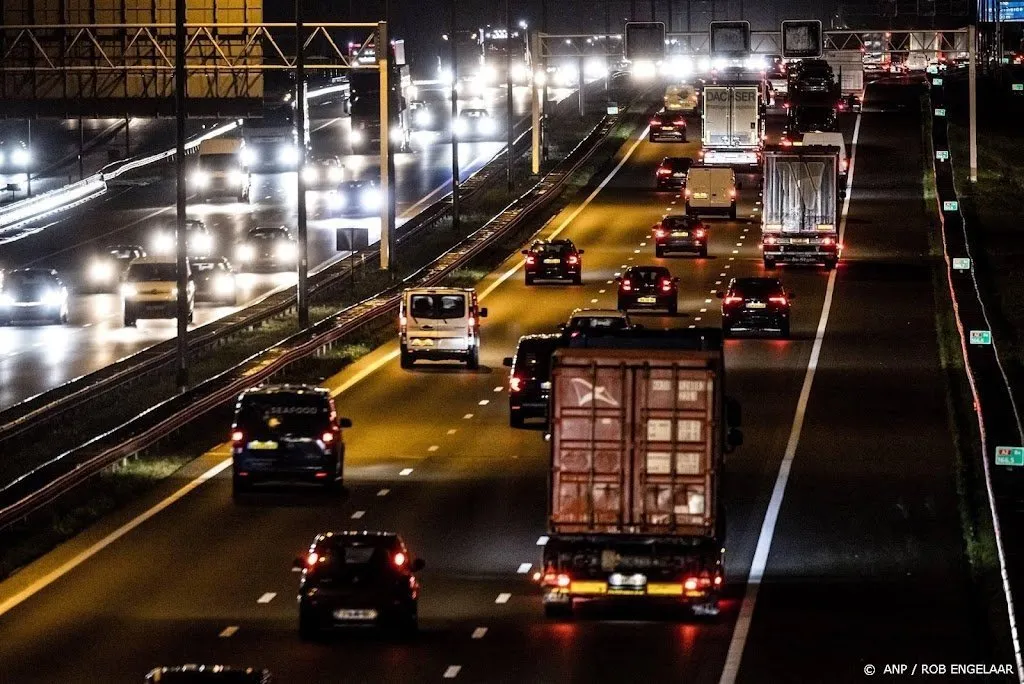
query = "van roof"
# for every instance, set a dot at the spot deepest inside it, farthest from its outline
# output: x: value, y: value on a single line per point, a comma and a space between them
x: 155, y: 260
x: 438, y: 290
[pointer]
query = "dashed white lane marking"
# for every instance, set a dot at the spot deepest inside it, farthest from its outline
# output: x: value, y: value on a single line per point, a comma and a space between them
x: 601, y: 291
x: 636, y: 251
x: 696, y: 318
x: 713, y: 291
x: 498, y: 388
x: 384, y: 492
x: 739, y: 244
x: 266, y: 598
x: 479, y: 633
x: 451, y: 432
x: 611, y: 281
x: 623, y: 266
x: 721, y: 274
x: 452, y: 672
x: 358, y: 514
x: 718, y: 282
x: 524, y: 568
x: 593, y: 301
x: 643, y: 244
x: 467, y: 416
x: 503, y: 597
x: 631, y: 258
x: 542, y: 540
x: 727, y: 266
x: 691, y: 326
x: 735, y: 251
x: 433, y: 447
x: 707, y: 301
x: 484, y: 402
x: 229, y: 632
x: 404, y: 472
x: 703, y: 310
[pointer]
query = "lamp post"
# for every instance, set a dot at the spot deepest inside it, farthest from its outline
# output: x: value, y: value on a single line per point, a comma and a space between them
x: 453, y: 52
x: 302, y: 293
x: 181, y: 264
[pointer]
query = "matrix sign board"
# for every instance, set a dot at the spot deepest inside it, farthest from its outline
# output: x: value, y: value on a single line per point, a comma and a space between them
x: 645, y: 40
x: 730, y: 38
x: 801, y: 39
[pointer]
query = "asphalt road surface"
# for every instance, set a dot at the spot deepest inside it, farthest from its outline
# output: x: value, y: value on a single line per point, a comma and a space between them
x: 865, y: 565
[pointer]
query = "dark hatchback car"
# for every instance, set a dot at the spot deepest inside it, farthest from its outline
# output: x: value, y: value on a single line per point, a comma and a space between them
x: 648, y: 287
x: 755, y: 305
x: 215, y: 281
x: 287, y: 432
x: 208, y: 674
x: 807, y: 118
x: 671, y: 173
x: 668, y: 127
x: 529, y: 383
x: 680, y: 234
x: 553, y: 260
x: 358, y: 579
x: 356, y: 198
x: 33, y: 294
x: 267, y: 250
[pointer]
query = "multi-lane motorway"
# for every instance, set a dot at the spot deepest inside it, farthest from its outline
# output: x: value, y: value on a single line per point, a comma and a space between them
x: 841, y: 508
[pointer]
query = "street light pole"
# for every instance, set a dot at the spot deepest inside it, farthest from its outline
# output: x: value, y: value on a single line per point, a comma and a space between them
x: 180, y: 86
x: 508, y: 93
x: 302, y: 295
x: 391, y: 195
x: 453, y: 50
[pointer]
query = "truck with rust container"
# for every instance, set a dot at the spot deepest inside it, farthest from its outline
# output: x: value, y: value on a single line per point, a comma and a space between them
x: 800, y: 211
x: 639, y: 426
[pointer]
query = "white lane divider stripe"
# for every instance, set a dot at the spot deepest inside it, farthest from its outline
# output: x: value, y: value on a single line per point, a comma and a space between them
x: 433, y: 447
x: 764, y: 542
x: 229, y: 632
x: 542, y: 540
x: 479, y: 633
x: 467, y: 416
x: 266, y: 598
x: 503, y: 597
x: 358, y: 514
x: 452, y: 672
x: 405, y: 472
x: 524, y: 568
x: 484, y: 402
x: 384, y: 492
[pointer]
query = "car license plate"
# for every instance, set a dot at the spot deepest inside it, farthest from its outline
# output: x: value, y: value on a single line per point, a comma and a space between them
x: 545, y: 385
x: 680, y: 233
x: 552, y: 261
x: 668, y: 128
x: 678, y: 175
x: 422, y: 342
x: 264, y: 446
x: 646, y: 300
x: 801, y: 241
x: 353, y: 614
x: 756, y: 305
x: 700, y: 195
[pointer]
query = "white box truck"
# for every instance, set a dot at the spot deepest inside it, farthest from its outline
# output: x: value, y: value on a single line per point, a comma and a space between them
x: 733, y: 125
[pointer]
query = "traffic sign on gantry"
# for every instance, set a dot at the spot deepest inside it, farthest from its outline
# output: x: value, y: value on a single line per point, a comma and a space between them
x: 729, y: 39
x: 645, y: 40
x: 801, y: 39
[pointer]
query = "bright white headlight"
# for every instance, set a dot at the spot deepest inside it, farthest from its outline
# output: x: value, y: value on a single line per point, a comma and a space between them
x: 644, y: 69
x: 101, y: 271
x: 20, y: 157
x: 370, y: 198
x: 129, y: 290
x: 224, y: 284
x: 163, y: 243
x: 595, y: 69
x: 249, y: 156
x: 310, y: 174
x: 200, y: 179
x: 335, y: 174
x: 336, y: 200
x: 286, y: 251
x: 288, y: 155
x: 53, y: 298
x: 245, y: 253
x: 202, y: 242
x: 6, y: 300
x: 236, y: 178
x: 519, y: 72
x: 487, y: 125
x: 357, y: 137
x: 460, y: 127
x: 424, y: 118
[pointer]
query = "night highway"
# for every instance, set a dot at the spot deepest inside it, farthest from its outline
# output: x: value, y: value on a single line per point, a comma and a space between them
x: 861, y: 565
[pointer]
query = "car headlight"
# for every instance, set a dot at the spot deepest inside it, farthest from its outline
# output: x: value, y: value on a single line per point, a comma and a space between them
x: 101, y: 271
x: 248, y: 156
x: 224, y: 284
x: 370, y: 199
x: 310, y: 174
x: 644, y: 69
x: 444, y: 74
x: 163, y: 243
x: 20, y: 157
x: 288, y: 155
x: 519, y: 72
x: 6, y: 300
x: 245, y: 253
x: 202, y: 242
x: 488, y: 74
x: 540, y: 79
x: 236, y: 178
x: 129, y: 290
x: 336, y: 200
x: 460, y: 127
x: 424, y: 118
x: 286, y: 251
x: 357, y: 137
x: 53, y: 298
x: 200, y: 179
x: 335, y: 174
x: 487, y: 126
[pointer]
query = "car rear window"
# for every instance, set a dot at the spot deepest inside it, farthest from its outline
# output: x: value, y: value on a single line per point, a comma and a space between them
x: 677, y: 222
x: 595, y: 323
x: 757, y: 288
x: 152, y: 272
x: 262, y: 416
x: 437, y: 306
x: 347, y: 557
x: 649, y: 276
x: 558, y: 248
x: 534, y: 359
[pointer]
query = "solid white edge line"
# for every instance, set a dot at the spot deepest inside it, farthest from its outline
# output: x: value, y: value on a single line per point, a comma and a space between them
x: 759, y: 563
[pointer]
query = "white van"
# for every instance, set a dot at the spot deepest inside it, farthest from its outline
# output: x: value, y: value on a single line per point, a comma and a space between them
x: 710, y: 190
x: 680, y: 98
x: 220, y: 170
x: 917, y: 61
x: 438, y: 323
x: 831, y: 140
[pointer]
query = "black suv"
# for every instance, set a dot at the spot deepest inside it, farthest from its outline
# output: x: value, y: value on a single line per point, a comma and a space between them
x: 671, y: 172
x: 680, y: 234
x: 806, y: 118
x: 287, y: 432
x: 267, y: 250
x: 755, y: 305
x: 553, y: 260
x: 529, y: 383
x: 358, y: 578
x: 670, y: 126
x: 648, y: 287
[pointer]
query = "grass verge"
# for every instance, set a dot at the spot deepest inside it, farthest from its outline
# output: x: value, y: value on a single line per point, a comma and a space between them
x: 20, y: 545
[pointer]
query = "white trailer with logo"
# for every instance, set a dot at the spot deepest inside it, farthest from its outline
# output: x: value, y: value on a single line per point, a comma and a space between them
x: 733, y: 130
x: 799, y: 219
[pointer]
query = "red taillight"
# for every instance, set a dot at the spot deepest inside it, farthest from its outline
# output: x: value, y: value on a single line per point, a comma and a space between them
x: 732, y: 193
x: 564, y: 580
x: 660, y: 233
x: 530, y: 259
x: 655, y: 122
x: 572, y: 259
x: 662, y: 171
x: 399, y: 559
x: 515, y: 384
x: 729, y: 301
x: 327, y: 437
x: 687, y: 192
x: 778, y: 300
x: 312, y: 559
x: 626, y: 285
x: 770, y: 240
x: 666, y: 285
x: 679, y: 122
x: 699, y: 233
x: 690, y: 584
x: 237, y: 436
x: 827, y: 241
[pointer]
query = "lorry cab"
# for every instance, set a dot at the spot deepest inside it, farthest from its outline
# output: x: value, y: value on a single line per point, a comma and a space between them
x: 220, y: 169
x: 710, y: 190
x: 681, y: 98
x: 440, y: 323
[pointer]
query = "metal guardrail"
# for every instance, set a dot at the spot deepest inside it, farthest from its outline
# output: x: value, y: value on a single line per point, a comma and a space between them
x: 35, y: 411
x: 61, y: 474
